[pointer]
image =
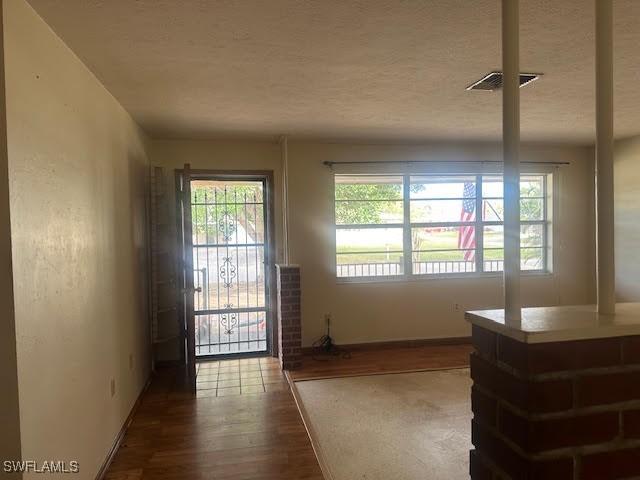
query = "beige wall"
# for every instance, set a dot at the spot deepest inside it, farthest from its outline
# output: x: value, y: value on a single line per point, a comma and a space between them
x: 627, y: 218
x: 77, y: 167
x: 368, y: 312
x: 9, y: 406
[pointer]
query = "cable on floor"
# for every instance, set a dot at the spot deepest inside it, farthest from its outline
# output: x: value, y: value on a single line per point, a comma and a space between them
x: 324, y: 349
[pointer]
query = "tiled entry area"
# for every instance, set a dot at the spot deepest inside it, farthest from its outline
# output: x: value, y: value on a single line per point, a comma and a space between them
x: 249, y: 376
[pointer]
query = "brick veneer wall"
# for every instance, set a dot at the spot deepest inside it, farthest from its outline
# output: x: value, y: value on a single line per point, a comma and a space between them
x: 289, y: 316
x: 564, y: 410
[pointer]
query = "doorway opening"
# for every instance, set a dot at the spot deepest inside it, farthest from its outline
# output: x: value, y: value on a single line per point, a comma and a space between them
x: 228, y: 263
x: 230, y: 270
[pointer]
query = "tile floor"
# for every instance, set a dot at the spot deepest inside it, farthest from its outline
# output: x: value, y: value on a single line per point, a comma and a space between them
x: 221, y: 378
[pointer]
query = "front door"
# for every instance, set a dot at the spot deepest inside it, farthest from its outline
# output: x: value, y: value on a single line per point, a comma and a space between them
x: 232, y: 263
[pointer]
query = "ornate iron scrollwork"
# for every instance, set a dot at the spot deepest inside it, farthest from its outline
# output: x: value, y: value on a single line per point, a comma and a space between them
x: 229, y: 322
x: 227, y: 272
x: 227, y: 226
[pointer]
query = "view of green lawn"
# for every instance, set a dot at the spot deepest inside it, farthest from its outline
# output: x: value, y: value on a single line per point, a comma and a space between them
x: 441, y: 246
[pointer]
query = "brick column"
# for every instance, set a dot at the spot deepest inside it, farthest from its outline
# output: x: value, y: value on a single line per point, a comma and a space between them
x: 289, y: 316
x: 563, y: 410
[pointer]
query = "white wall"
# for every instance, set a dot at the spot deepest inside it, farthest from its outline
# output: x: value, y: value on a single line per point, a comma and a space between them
x: 9, y: 406
x: 369, y: 312
x: 627, y: 218
x: 77, y: 168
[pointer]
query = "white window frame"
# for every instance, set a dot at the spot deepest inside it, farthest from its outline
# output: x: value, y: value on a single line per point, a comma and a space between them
x: 550, y: 208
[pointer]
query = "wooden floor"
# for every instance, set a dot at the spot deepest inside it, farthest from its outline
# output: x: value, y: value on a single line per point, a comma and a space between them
x: 248, y: 435
x: 394, y: 359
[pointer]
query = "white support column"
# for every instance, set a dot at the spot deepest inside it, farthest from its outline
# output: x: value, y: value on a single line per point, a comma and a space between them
x: 604, y: 157
x: 511, y: 157
x: 284, y: 148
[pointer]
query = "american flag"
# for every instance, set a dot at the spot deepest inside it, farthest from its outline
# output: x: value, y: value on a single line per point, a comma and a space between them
x: 467, y: 233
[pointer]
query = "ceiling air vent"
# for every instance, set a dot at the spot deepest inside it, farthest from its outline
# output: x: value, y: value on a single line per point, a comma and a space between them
x: 493, y: 81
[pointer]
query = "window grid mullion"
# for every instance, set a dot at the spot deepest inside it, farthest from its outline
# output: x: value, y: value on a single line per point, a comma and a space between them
x: 406, y: 213
x: 545, y: 238
x: 365, y: 226
x: 479, y: 228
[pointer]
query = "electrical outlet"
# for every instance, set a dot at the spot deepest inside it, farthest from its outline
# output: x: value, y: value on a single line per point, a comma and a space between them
x: 113, y: 387
x: 457, y: 307
x: 130, y: 362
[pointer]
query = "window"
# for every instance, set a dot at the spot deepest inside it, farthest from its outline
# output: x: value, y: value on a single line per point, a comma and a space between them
x: 369, y: 225
x: 401, y: 225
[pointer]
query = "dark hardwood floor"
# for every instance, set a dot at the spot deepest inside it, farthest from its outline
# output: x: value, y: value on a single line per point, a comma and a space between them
x: 175, y: 435
x: 383, y: 360
x: 244, y: 425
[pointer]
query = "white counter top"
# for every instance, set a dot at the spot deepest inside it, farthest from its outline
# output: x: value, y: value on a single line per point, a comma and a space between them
x: 558, y: 324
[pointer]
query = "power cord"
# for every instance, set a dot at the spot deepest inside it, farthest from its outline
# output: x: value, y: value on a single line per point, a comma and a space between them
x: 324, y: 348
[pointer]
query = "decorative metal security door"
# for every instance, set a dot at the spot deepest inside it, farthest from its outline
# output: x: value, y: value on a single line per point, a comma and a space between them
x: 231, y: 264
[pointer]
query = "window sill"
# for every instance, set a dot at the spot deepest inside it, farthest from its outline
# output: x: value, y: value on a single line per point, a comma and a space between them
x: 431, y: 278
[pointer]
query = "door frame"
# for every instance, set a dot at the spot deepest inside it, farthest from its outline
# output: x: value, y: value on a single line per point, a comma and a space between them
x: 270, y: 253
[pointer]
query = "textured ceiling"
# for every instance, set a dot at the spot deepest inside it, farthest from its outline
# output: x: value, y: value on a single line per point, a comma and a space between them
x: 384, y: 70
